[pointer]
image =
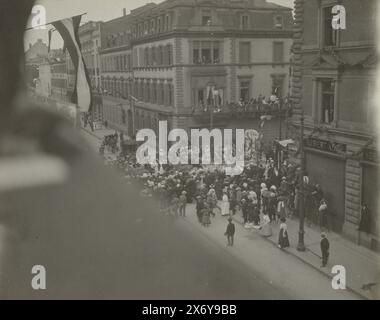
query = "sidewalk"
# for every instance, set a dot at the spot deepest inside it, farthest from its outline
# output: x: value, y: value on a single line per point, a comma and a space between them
x: 266, y: 262
x: 362, y: 265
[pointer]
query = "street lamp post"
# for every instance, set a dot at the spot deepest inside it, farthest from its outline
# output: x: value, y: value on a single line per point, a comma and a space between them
x: 211, y: 107
x: 301, y: 233
x: 280, y: 109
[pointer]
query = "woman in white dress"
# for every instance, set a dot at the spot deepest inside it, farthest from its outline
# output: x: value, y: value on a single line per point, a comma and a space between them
x: 225, y: 205
x: 265, y: 227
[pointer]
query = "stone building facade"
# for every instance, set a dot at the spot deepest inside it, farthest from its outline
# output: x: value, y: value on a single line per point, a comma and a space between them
x: 333, y: 86
x: 178, y: 53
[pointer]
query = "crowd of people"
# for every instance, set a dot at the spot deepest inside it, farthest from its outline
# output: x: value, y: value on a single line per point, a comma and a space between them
x: 263, y: 195
x: 259, y: 104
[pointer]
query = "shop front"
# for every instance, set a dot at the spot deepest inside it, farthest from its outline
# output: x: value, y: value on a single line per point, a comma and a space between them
x: 326, y: 167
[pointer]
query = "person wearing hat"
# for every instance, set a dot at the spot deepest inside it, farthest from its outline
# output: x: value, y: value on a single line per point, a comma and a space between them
x: 174, y: 207
x: 206, y: 221
x: 265, y: 226
x: 325, y: 247
x: 200, y: 205
x: 225, y: 205
x: 239, y: 195
x: 244, y: 209
x: 230, y: 233
x: 182, y: 204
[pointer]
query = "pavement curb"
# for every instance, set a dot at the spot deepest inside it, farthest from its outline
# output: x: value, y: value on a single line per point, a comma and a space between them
x: 308, y: 263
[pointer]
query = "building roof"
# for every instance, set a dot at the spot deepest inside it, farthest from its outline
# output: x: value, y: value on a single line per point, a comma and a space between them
x: 151, y: 9
x: 232, y: 4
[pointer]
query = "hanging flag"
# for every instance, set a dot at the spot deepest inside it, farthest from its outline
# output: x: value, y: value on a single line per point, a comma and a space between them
x: 68, y: 28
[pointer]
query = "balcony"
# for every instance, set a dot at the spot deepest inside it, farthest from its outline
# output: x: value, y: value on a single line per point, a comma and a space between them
x: 252, y: 110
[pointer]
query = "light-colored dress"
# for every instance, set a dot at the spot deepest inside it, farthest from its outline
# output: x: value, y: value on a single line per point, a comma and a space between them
x: 266, y: 228
x: 225, y: 205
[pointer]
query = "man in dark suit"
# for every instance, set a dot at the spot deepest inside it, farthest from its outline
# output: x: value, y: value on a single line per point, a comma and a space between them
x: 230, y: 232
x: 325, y: 246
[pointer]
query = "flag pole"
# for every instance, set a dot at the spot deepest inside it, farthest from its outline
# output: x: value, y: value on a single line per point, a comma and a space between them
x: 46, y: 24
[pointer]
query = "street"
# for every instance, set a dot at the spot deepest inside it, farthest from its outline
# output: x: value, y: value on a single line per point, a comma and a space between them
x: 273, y: 274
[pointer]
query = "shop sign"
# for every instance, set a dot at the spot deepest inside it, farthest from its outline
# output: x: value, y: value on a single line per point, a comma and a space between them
x: 325, y: 145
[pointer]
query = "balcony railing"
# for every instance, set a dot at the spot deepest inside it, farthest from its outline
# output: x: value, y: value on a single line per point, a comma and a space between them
x: 243, y: 110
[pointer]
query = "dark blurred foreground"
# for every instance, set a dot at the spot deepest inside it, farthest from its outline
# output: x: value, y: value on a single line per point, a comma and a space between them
x: 97, y: 238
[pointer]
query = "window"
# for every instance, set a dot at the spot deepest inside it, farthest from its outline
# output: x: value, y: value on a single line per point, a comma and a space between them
x: 278, y: 85
x: 328, y: 101
x: 117, y: 62
x: 206, y: 21
x: 206, y: 52
x: 153, y: 26
x: 200, y: 96
x: 140, y: 27
x: 167, y: 22
x: 245, y: 52
x: 126, y: 89
x: 146, y: 57
x: 196, y: 53
x: 141, y: 91
x: 169, y: 49
x: 122, y: 63
x: 160, y: 94
x: 170, y: 94
x: 154, y: 92
x: 215, y: 55
x: 160, y: 56
x: 329, y: 34
x: 244, y: 23
x: 147, y: 94
x: 159, y: 26
x: 154, y: 56
x: 278, y: 22
x: 244, y: 90
x: 278, y: 52
x: 129, y: 62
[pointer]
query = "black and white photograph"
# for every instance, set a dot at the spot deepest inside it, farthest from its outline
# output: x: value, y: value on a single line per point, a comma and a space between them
x: 189, y: 150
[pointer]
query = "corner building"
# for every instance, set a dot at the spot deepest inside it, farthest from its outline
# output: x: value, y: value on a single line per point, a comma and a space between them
x: 171, y: 56
x: 333, y: 85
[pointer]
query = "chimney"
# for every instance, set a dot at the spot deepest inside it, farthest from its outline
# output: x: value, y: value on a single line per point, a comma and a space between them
x: 124, y: 11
